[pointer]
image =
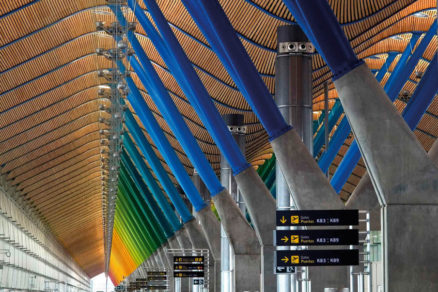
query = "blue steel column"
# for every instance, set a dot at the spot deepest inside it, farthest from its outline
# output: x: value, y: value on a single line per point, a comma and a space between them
x: 404, y: 177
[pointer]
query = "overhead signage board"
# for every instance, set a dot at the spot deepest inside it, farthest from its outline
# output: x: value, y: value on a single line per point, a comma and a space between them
x: 316, y: 237
x: 157, y: 287
x: 335, y: 257
x: 188, y: 266
x: 188, y: 274
x: 188, y: 259
x: 157, y: 278
x: 156, y: 273
x: 317, y: 217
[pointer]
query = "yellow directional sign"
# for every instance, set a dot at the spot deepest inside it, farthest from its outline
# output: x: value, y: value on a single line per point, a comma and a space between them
x: 295, y: 239
x: 295, y: 259
x: 295, y: 219
x: 285, y: 239
x: 283, y: 220
x: 285, y: 259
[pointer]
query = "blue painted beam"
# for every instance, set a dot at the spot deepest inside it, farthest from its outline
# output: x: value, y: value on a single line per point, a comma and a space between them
x: 183, y: 71
x: 156, y: 210
x: 334, y: 115
x: 157, y: 167
x: 390, y: 59
x: 158, y: 92
x: 344, y: 129
x: 142, y: 109
x: 393, y: 89
x: 221, y: 35
x: 151, y: 183
x: 417, y: 106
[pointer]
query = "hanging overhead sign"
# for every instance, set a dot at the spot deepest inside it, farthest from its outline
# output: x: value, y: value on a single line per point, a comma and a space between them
x: 317, y: 217
x: 316, y: 237
x: 188, y: 266
x: 334, y: 257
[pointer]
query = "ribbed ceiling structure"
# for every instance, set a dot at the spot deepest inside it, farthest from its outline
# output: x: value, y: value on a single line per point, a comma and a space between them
x: 51, y: 113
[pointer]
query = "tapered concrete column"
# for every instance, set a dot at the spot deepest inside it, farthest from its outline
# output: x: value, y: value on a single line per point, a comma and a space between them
x: 166, y: 263
x: 174, y: 243
x: 234, y: 267
x: 405, y: 180
x: 293, y: 95
x: 210, y: 227
x: 364, y: 196
x: 184, y: 242
x: 244, y: 241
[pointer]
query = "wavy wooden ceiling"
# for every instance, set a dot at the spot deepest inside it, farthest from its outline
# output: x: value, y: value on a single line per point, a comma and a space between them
x: 49, y: 106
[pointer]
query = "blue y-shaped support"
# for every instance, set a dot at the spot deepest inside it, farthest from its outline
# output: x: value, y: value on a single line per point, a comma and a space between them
x: 163, y: 145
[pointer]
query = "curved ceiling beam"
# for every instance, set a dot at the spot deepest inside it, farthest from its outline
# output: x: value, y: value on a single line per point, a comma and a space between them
x: 204, y: 43
x: 80, y: 188
x: 32, y: 161
x: 43, y: 174
x: 67, y: 188
x: 69, y: 138
x: 94, y: 168
x: 51, y: 161
x: 46, y: 121
x: 53, y: 135
x: 64, y: 174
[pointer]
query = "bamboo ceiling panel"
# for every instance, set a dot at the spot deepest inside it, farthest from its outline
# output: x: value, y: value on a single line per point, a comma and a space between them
x: 51, y: 115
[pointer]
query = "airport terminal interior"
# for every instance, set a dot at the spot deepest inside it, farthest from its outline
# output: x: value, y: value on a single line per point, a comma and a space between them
x: 219, y: 145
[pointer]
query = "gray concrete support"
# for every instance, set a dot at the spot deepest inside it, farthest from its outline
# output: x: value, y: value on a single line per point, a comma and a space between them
x: 211, y: 229
x: 364, y: 196
x: 167, y: 262
x: 261, y: 208
x: 305, y: 179
x: 244, y: 241
x: 234, y: 267
x: 173, y: 243
x: 184, y: 242
x: 405, y: 180
x: 197, y: 238
x: 183, y: 238
x: 396, y: 161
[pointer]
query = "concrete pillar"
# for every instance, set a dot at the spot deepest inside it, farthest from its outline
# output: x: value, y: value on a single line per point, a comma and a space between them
x: 234, y: 266
x: 209, y: 226
x: 293, y: 95
x: 405, y: 180
x: 364, y: 196
x: 184, y: 242
x: 174, y: 243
